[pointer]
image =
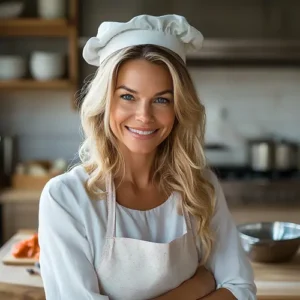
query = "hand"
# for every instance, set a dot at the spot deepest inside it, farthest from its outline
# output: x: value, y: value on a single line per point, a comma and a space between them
x: 203, y: 282
x: 198, y: 286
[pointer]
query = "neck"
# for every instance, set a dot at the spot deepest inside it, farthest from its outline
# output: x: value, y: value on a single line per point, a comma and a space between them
x: 138, y: 168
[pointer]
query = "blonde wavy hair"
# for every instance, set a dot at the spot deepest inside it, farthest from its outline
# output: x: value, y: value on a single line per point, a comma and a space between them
x: 179, y: 163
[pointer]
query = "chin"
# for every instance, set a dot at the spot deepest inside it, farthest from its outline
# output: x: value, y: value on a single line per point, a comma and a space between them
x: 141, y: 150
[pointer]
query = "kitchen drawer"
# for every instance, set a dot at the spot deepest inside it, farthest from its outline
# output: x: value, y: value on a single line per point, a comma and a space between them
x: 18, y: 215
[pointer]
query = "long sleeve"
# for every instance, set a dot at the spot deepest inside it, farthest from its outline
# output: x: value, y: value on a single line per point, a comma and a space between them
x: 228, y: 261
x: 66, y: 262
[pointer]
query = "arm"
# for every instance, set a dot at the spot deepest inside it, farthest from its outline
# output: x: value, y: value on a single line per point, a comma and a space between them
x: 228, y: 260
x: 191, y: 289
x: 66, y: 262
x: 220, y: 294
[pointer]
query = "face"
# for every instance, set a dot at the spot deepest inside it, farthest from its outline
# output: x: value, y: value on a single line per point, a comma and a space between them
x: 142, y: 110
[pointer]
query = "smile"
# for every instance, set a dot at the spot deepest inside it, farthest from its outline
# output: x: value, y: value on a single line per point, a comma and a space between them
x: 141, y: 132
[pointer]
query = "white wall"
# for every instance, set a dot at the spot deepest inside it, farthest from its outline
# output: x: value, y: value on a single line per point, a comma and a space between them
x: 46, y: 126
x: 258, y: 101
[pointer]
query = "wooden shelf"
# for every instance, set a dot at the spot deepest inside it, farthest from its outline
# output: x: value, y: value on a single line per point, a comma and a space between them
x: 33, y: 84
x: 34, y: 27
x: 66, y: 28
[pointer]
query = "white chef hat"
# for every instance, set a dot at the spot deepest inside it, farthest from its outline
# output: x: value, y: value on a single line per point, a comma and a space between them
x: 168, y: 31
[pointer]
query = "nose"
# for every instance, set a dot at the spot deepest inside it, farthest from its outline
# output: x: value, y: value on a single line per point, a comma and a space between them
x: 144, y: 113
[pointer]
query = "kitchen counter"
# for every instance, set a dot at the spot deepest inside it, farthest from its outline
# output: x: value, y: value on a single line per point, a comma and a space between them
x: 268, y: 213
x: 15, y: 282
x: 20, y: 203
x: 10, y: 195
x: 17, y: 292
x: 278, y: 280
x: 274, y: 281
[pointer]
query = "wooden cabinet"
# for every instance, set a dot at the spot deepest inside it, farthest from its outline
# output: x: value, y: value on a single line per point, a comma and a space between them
x: 34, y: 27
x: 223, y: 19
x: 247, y: 19
x: 57, y: 28
x: 281, y: 19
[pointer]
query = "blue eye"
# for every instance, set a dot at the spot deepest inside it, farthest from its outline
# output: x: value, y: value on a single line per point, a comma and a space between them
x: 162, y: 100
x: 127, y: 97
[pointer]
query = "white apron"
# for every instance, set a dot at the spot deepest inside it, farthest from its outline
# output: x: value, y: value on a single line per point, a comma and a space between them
x: 133, y: 269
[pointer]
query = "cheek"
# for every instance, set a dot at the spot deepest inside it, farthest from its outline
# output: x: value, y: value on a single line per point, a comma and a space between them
x: 114, y: 120
x: 167, y: 118
x: 119, y: 114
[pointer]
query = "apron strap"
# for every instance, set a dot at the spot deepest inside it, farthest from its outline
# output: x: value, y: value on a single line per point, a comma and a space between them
x: 111, y: 205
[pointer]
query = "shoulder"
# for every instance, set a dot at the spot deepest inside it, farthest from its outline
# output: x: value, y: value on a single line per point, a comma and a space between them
x: 220, y: 199
x: 66, y: 191
x: 73, y: 180
x: 211, y: 176
x: 76, y: 175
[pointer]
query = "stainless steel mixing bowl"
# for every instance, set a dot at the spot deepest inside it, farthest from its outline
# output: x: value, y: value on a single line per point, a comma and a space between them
x: 270, y: 241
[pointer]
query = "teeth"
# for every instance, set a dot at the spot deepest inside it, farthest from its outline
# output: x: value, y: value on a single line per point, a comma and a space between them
x: 140, y: 131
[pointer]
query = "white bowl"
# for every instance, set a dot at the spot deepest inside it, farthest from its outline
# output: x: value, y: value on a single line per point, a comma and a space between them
x: 9, y: 10
x: 51, y: 9
x: 12, y: 67
x: 47, y: 65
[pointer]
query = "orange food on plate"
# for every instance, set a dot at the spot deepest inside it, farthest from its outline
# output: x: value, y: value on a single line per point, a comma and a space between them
x: 28, y: 248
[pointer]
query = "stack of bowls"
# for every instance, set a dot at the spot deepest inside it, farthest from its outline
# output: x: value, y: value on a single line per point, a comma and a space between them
x: 12, y: 67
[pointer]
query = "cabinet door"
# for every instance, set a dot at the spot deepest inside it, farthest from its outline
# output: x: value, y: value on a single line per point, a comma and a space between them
x: 290, y: 18
x: 247, y: 19
x: 281, y: 19
x: 18, y: 216
x: 223, y: 19
x: 244, y: 19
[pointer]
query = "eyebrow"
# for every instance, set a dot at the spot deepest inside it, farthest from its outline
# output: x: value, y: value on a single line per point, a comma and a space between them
x: 135, y: 92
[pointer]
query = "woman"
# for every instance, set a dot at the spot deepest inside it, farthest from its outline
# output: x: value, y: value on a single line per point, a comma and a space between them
x: 142, y: 217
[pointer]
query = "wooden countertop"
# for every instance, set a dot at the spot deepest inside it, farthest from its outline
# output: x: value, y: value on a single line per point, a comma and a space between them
x: 9, y: 195
x: 274, y: 281
x: 17, y: 292
x: 15, y: 281
x: 258, y: 213
x: 278, y: 280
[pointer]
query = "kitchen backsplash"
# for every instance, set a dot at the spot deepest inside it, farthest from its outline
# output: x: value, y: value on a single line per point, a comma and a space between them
x: 45, y: 123
x: 241, y: 103
x: 245, y: 103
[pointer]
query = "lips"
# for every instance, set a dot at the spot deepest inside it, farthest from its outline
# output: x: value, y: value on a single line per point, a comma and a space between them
x: 142, y: 132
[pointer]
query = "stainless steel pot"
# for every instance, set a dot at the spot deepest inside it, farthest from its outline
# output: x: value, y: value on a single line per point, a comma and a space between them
x: 261, y: 155
x: 286, y: 156
x: 273, y: 155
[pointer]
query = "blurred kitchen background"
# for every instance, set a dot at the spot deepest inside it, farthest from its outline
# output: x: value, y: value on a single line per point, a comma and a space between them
x: 247, y: 75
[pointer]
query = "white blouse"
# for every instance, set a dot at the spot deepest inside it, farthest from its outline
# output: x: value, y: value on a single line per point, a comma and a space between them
x: 72, y: 230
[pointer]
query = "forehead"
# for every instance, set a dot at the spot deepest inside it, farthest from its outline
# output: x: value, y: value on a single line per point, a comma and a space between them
x: 139, y: 74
